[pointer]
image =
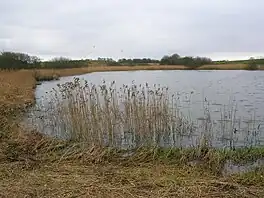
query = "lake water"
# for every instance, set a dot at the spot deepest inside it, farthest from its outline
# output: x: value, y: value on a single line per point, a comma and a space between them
x: 219, y: 91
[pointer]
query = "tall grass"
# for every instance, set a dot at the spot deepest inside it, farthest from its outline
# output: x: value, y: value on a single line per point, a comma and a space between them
x: 106, y: 116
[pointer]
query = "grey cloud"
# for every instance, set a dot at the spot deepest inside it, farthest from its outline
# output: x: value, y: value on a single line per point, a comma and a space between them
x: 127, y: 28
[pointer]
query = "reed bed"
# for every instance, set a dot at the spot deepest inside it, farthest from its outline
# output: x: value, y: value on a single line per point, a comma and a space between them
x: 106, y: 116
x: 135, y: 116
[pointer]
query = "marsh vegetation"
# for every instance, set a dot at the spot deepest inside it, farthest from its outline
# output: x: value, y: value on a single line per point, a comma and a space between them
x: 115, y: 141
x: 145, y: 118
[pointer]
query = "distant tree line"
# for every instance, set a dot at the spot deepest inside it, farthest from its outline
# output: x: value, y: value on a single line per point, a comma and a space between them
x: 106, y: 61
x: 127, y: 62
x: 13, y: 60
x: 61, y: 63
x: 137, y: 61
x: 189, y: 61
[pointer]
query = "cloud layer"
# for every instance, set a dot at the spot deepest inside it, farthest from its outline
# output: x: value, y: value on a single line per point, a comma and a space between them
x: 149, y: 28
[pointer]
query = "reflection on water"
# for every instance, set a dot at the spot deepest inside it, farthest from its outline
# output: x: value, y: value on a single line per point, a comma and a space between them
x: 231, y: 168
x: 234, y: 100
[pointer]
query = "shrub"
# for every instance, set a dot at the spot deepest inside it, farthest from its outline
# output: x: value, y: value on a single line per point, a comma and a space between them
x: 191, y: 62
x: 252, y: 65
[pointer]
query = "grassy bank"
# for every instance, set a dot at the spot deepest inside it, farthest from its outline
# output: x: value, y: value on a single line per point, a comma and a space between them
x: 32, y: 165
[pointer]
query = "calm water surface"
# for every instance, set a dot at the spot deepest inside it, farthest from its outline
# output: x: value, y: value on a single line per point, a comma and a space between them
x: 219, y: 91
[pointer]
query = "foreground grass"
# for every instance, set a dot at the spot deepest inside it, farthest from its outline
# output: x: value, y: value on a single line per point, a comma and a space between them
x: 32, y: 165
x: 35, y: 166
x: 73, y: 179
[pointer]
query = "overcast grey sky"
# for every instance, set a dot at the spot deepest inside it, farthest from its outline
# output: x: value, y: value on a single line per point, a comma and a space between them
x: 133, y: 28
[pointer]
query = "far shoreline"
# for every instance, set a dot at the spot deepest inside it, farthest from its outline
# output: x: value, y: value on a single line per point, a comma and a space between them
x: 53, y: 74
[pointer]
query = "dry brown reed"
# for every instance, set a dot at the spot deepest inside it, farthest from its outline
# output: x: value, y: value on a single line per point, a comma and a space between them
x: 106, y: 116
x: 16, y: 87
x: 134, y: 116
x: 16, y: 94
